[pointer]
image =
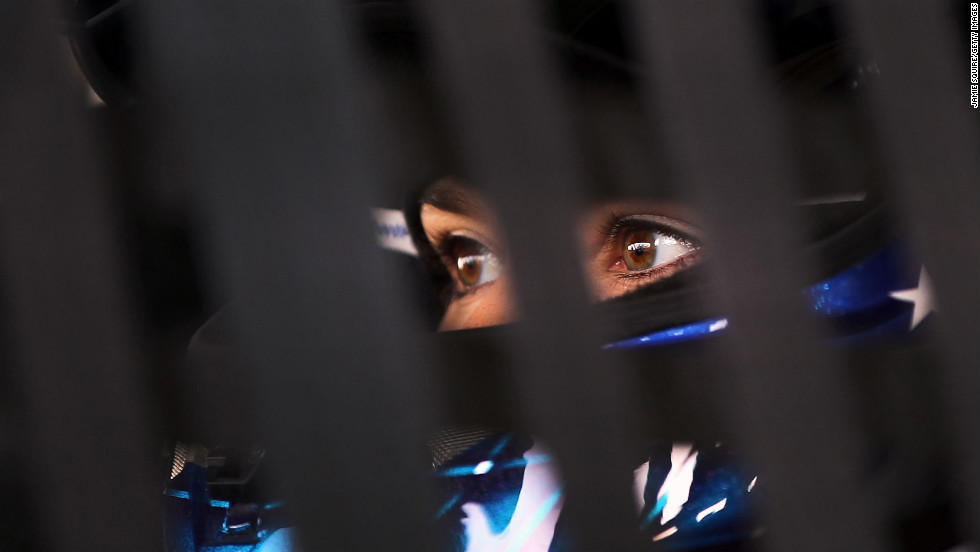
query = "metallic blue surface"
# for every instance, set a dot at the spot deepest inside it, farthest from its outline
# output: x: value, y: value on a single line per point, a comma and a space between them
x: 534, y: 522
x: 712, y: 506
x: 476, y: 469
x: 857, y: 301
x: 449, y: 504
x: 177, y: 493
x: 274, y: 505
x: 503, y: 442
x: 280, y: 541
x: 858, y: 298
x: 898, y: 325
x: 196, y: 522
x: 861, y: 287
x: 719, y: 508
x: 686, y: 332
x: 655, y: 511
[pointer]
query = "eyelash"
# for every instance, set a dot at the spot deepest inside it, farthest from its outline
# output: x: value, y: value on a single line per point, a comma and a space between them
x: 616, y: 225
x: 444, y: 244
x: 613, y: 229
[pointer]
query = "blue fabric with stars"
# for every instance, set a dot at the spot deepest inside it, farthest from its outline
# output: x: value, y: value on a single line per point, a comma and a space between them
x: 858, y: 302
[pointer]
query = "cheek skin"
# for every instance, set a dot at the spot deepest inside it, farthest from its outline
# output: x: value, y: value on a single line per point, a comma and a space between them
x: 597, y: 279
x: 487, y: 306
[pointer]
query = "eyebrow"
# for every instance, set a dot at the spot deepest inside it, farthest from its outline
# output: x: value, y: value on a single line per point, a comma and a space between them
x: 449, y: 195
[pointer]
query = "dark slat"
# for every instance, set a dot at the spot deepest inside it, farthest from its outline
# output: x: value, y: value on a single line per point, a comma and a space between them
x: 790, y: 403
x: 919, y: 98
x: 272, y: 97
x: 511, y: 115
x: 84, y: 434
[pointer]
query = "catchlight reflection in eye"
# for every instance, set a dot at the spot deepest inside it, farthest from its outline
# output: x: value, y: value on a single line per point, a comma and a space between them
x: 635, y: 250
x: 475, y: 264
x: 622, y: 247
x: 645, y: 248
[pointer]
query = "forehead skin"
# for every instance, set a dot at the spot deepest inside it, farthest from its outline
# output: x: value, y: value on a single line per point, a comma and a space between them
x: 449, y: 206
x: 449, y: 194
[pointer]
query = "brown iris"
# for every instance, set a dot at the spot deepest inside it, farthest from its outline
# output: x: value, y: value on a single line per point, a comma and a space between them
x: 639, y: 249
x: 472, y: 263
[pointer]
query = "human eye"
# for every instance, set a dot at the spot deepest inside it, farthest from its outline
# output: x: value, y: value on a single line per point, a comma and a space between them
x: 641, y: 249
x: 471, y: 264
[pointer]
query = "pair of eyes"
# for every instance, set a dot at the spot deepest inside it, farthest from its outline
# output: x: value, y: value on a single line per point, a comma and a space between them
x: 636, y: 250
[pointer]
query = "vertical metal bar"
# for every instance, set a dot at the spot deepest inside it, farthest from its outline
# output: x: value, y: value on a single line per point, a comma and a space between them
x: 510, y: 113
x: 919, y: 100
x: 86, y: 440
x: 792, y: 409
x: 273, y: 94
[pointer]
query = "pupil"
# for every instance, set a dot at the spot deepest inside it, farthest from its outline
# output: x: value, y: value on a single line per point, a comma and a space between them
x: 470, y: 268
x: 638, y: 253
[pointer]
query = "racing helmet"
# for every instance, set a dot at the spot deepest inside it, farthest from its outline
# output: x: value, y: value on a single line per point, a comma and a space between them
x: 690, y: 495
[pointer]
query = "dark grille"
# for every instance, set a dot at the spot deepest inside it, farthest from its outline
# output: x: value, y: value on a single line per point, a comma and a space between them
x: 235, y: 168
